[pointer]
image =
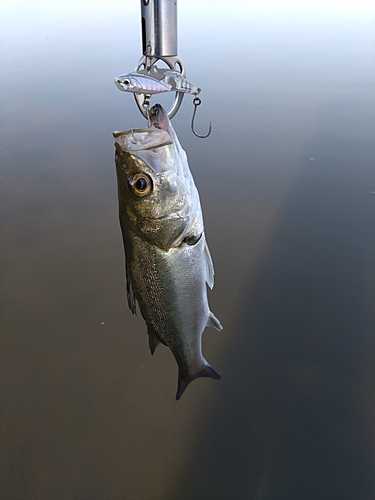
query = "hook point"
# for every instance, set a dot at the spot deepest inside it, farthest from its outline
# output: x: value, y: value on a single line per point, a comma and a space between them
x: 197, y: 102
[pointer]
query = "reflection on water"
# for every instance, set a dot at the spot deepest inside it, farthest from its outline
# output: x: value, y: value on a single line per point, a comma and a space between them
x: 285, y: 181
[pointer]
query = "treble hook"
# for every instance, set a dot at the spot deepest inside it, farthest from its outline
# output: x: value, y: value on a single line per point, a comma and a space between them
x: 197, y: 102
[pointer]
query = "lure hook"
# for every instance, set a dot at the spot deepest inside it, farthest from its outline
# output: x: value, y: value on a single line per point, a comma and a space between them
x: 197, y: 102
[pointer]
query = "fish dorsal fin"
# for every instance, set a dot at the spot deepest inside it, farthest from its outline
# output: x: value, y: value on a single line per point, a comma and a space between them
x: 153, y: 341
x: 214, y: 322
x: 130, y: 293
x: 209, y: 266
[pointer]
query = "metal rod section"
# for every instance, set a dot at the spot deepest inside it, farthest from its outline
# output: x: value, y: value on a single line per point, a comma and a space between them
x: 159, y: 28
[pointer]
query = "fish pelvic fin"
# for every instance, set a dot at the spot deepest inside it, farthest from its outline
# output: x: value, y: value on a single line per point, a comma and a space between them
x: 214, y: 322
x: 209, y: 266
x: 130, y: 294
x: 183, y: 383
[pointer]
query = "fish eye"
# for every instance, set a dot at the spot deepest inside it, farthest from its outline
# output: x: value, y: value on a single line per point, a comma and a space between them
x: 140, y: 184
x: 126, y: 81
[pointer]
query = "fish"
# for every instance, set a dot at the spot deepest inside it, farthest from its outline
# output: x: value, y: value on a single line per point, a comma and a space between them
x: 167, y: 261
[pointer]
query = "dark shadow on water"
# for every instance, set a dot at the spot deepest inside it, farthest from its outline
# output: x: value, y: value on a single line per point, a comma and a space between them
x: 295, y: 418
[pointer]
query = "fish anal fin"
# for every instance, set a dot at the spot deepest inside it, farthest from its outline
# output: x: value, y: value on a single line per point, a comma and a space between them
x: 214, y: 322
x: 153, y: 341
x: 208, y: 371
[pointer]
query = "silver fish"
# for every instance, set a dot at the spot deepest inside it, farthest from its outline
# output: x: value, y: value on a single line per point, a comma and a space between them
x: 167, y: 259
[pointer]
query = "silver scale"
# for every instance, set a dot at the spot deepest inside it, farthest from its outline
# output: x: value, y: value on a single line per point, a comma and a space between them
x: 159, y: 43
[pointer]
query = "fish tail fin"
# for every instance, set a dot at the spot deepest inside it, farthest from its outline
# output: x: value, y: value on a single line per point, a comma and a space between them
x: 208, y: 371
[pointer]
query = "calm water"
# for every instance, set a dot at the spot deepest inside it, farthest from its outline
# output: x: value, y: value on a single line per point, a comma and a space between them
x: 286, y: 181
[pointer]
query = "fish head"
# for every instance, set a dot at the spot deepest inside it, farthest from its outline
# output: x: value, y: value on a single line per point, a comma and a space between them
x: 157, y: 202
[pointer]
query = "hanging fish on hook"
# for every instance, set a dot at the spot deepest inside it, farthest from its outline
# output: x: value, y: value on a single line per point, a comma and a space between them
x: 168, y: 264
x: 160, y: 80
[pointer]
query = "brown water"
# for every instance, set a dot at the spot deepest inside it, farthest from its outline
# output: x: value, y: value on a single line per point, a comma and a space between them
x: 286, y: 181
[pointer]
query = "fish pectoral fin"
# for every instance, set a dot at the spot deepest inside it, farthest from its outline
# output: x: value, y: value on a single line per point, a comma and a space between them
x: 153, y: 341
x: 209, y: 266
x: 208, y: 371
x: 214, y: 322
x: 130, y: 294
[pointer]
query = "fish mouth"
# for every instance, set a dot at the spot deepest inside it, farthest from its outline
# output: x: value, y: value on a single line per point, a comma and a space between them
x: 136, y: 141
